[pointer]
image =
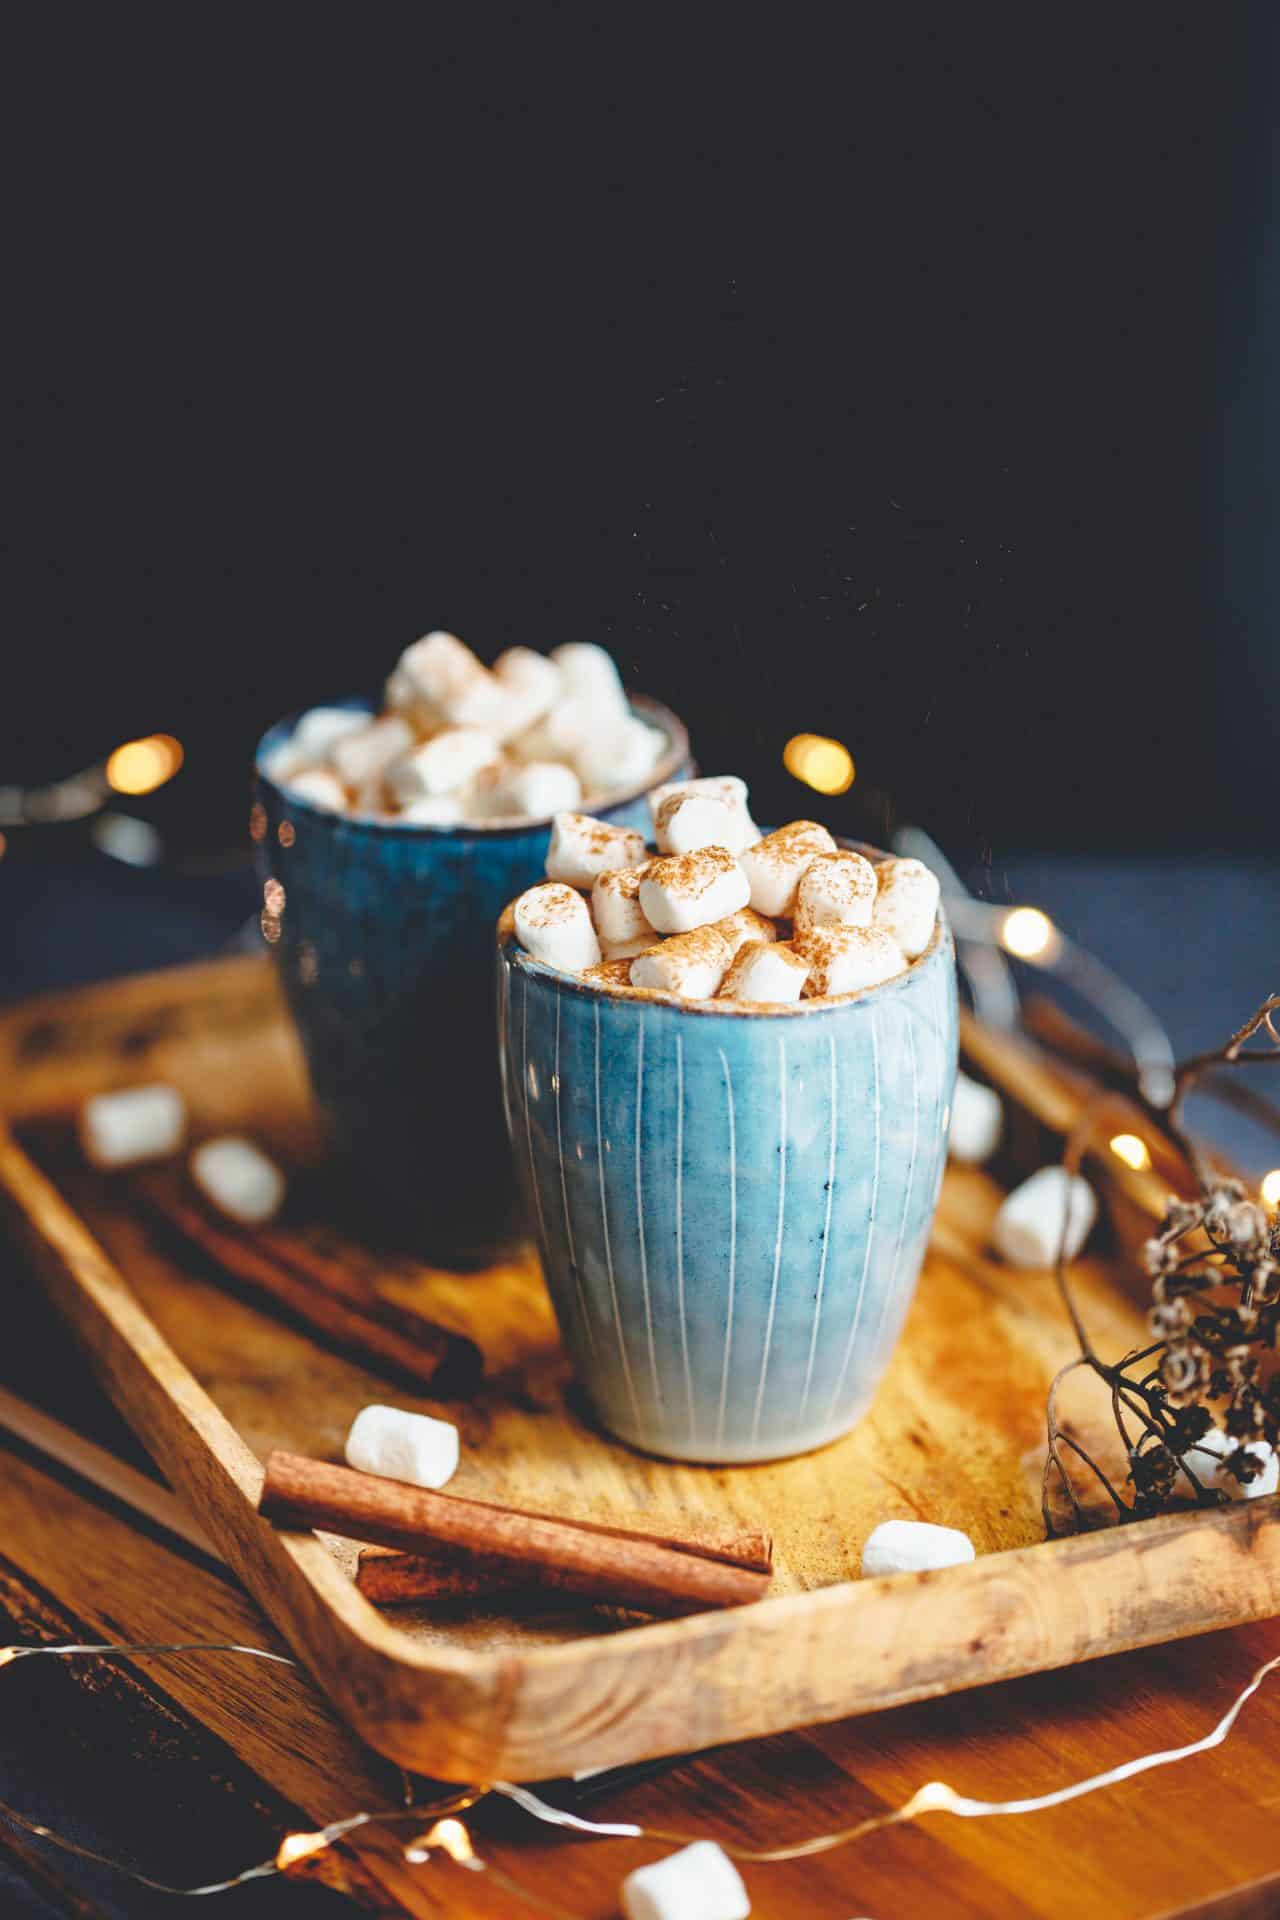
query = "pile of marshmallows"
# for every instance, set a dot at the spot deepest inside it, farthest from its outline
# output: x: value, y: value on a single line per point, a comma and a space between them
x: 459, y: 741
x: 720, y: 912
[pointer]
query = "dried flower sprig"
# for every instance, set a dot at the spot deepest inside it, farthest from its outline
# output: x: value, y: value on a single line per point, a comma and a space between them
x: 1209, y: 1375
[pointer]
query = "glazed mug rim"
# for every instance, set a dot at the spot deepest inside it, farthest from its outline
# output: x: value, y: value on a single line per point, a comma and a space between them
x: 510, y: 949
x: 641, y: 704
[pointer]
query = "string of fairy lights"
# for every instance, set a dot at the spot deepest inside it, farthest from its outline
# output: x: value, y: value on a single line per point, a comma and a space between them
x: 448, y: 1835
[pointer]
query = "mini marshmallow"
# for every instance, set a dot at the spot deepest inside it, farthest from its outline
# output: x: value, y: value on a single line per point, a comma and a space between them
x: 433, y: 810
x: 622, y: 754
x: 776, y: 865
x: 553, y: 923
x: 698, y: 1883
x: 443, y: 763
x: 403, y: 1446
x: 1207, y: 1458
x: 582, y: 849
x: 615, y: 974
x: 360, y: 757
x: 836, y: 890
x: 534, y: 684
x: 616, y: 909
x: 239, y: 1179
x: 913, y: 1546
x: 766, y: 972
x: 687, y: 821
x: 686, y: 890
x: 744, y: 927
x: 320, y: 787
x: 540, y: 788
x: 727, y: 788
x: 455, y: 684
x: 907, y: 903
x: 692, y: 965
x: 628, y: 949
x: 320, y: 730
x: 848, y: 959
x: 977, y: 1121
x: 138, y: 1123
x: 401, y: 695
x: 560, y: 734
x: 590, y: 674
x: 286, y: 761
x: 1029, y: 1225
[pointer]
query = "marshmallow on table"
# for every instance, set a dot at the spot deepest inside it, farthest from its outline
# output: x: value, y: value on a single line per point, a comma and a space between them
x: 836, y: 890
x: 727, y: 788
x: 907, y: 903
x: 692, y: 965
x: 553, y: 923
x: 685, y: 890
x: 698, y: 1883
x: 443, y: 763
x: 397, y: 1445
x: 138, y: 1123
x: 616, y: 909
x: 239, y: 1179
x: 621, y: 754
x: 848, y: 959
x: 766, y: 973
x: 977, y: 1121
x: 776, y: 865
x: 1207, y: 1459
x: 320, y: 730
x: 612, y: 973
x: 318, y: 786
x: 1029, y: 1225
x: 453, y: 683
x: 582, y: 849
x: 537, y: 789
x: 360, y: 757
x: 913, y: 1546
x: 744, y: 927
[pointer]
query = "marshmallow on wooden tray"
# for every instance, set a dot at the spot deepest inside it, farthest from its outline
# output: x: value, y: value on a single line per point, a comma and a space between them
x: 977, y: 1121
x: 360, y: 757
x: 239, y: 1179
x: 1029, y: 1225
x: 582, y: 849
x: 616, y: 909
x: 692, y: 965
x: 836, y: 890
x: 1207, y: 1460
x: 318, y: 786
x: 443, y: 763
x: 907, y: 903
x: 397, y: 1445
x: 745, y: 927
x: 913, y: 1546
x: 727, y: 788
x: 540, y: 788
x: 698, y: 1883
x: 319, y: 731
x: 138, y: 1123
x: 553, y: 923
x: 776, y: 865
x: 681, y: 891
x: 774, y: 972
x: 848, y: 959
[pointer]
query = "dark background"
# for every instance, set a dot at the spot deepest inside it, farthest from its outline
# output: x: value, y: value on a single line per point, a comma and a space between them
x: 895, y: 373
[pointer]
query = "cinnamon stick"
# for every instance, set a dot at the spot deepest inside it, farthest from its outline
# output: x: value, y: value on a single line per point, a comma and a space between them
x: 338, y: 1306
x: 623, y: 1570
x: 390, y: 1578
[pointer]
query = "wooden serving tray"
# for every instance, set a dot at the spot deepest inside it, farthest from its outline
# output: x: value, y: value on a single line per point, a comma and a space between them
x: 211, y: 1382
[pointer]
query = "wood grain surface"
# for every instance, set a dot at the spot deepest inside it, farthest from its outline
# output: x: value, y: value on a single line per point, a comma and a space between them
x: 212, y: 1381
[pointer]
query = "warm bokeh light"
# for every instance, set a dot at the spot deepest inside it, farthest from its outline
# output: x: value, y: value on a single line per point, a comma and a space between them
x: 7, y: 1654
x: 299, y: 1846
x: 1128, y: 1147
x: 1271, y: 1188
x: 820, y: 763
x: 1029, y: 934
x: 140, y: 766
x: 451, y: 1835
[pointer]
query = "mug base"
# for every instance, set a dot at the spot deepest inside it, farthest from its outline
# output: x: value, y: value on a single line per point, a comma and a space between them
x: 757, y: 1453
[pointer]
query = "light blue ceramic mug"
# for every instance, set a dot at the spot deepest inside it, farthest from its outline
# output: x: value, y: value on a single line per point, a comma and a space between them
x: 732, y: 1204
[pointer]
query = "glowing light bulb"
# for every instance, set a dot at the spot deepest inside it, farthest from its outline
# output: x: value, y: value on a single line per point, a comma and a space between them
x: 1133, y: 1151
x: 1271, y: 1188
x: 140, y: 766
x: 1029, y: 934
x: 7, y: 1654
x: 820, y: 763
x: 449, y: 1835
x: 298, y: 1846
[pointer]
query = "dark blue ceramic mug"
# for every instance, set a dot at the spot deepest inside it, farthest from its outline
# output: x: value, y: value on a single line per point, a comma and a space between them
x: 383, y: 935
x: 732, y: 1203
